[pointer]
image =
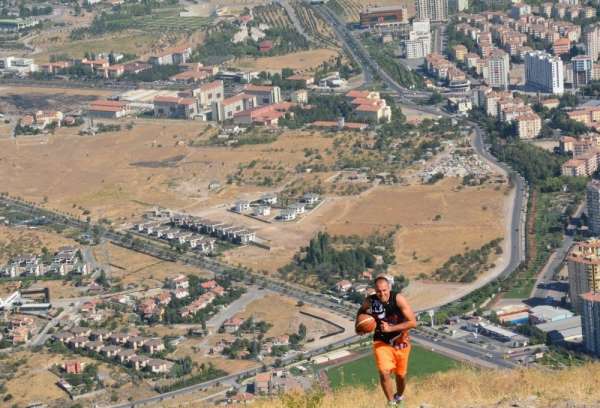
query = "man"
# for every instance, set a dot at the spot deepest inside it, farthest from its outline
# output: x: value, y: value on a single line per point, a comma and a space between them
x: 391, y: 344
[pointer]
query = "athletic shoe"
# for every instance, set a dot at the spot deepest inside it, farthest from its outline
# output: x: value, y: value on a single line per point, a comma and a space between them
x: 399, y: 400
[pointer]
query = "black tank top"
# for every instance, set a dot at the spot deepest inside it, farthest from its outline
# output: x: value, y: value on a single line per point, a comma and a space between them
x: 388, y: 312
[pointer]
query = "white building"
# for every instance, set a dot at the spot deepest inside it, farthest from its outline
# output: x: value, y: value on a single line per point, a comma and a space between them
x: 591, y: 39
x: 18, y: 65
x: 433, y: 10
x: 418, y: 44
x: 545, y: 72
x: 498, y: 68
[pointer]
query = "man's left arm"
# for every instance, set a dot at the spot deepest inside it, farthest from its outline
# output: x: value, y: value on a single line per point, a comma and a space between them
x: 411, y: 321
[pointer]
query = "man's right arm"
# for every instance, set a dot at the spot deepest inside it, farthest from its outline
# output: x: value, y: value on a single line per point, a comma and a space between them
x: 364, y: 308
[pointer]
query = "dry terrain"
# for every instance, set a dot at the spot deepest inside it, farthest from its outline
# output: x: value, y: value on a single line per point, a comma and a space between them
x: 533, y: 388
x: 19, y: 99
x: 118, y: 175
x: 285, y: 316
x: 33, y: 369
x: 130, y: 42
x: 131, y: 267
x: 299, y: 61
x: 19, y: 241
x: 423, y: 244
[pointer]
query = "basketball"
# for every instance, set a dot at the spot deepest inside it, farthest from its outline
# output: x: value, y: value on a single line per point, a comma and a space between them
x: 365, y: 323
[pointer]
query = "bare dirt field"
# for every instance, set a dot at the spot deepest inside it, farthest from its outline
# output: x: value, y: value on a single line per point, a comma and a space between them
x: 19, y: 241
x: 33, y: 369
x: 136, y: 268
x: 474, y: 214
x: 118, y: 175
x: 299, y: 61
x: 423, y: 244
x: 285, y: 317
x: 19, y: 99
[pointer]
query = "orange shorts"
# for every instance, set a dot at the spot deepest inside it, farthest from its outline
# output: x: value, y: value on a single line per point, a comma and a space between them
x: 391, y: 359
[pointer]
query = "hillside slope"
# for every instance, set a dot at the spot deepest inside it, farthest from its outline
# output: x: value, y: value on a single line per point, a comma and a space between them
x: 573, y: 387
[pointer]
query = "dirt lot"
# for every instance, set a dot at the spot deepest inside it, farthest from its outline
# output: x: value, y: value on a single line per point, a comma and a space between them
x: 134, y: 267
x: 299, y: 61
x: 19, y: 99
x: 17, y: 241
x: 413, y: 208
x: 423, y: 244
x: 120, y: 174
x: 285, y: 317
x: 33, y: 369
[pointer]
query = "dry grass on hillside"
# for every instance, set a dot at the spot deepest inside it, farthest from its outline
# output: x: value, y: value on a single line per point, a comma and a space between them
x: 575, y: 387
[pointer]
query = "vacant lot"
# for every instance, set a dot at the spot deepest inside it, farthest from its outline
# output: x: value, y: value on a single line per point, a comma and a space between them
x: 424, y: 240
x: 119, y: 174
x: 299, y: 61
x: 20, y: 241
x: 285, y: 317
x: 134, y: 267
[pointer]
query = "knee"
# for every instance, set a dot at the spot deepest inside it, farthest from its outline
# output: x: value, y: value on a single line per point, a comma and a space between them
x: 385, y: 375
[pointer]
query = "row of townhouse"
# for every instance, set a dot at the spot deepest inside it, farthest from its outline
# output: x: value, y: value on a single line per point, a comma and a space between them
x: 220, y: 229
x: 121, y: 347
x: 442, y: 69
x: 202, y: 302
x: 102, y: 66
x: 586, y: 155
x: 166, y: 232
x: 509, y: 31
x: 504, y: 106
x: 589, y: 116
x: 64, y: 261
x: 566, y: 11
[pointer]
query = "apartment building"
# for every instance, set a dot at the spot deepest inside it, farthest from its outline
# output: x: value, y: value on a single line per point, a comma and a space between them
x: 592, y: 198
x: 209, y: 93
x: 583, y: 67
x: 591, y: 39
x: 544, y: 72
x: 590, y: 321
x: 175, y: 107
x: 498, y: 68
x: 583, y: 262
x: 583, y: 165
x: 433, y: 10
x: 460, y: 52
x: 456, y: 6
x: 418, y: 44
x: 529, y: 125
x: 264, y: 94
x: 228, y: 107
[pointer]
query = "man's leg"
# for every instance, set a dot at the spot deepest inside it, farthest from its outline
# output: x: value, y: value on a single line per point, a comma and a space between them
x: 400, y: 384
x: 387, y: 384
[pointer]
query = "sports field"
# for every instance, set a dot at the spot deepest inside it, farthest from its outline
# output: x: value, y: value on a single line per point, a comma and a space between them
x: 362, y: 372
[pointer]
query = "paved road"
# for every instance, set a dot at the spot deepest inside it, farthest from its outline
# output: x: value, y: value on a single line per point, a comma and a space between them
x: 517, y: 236
x: 544, y: 287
